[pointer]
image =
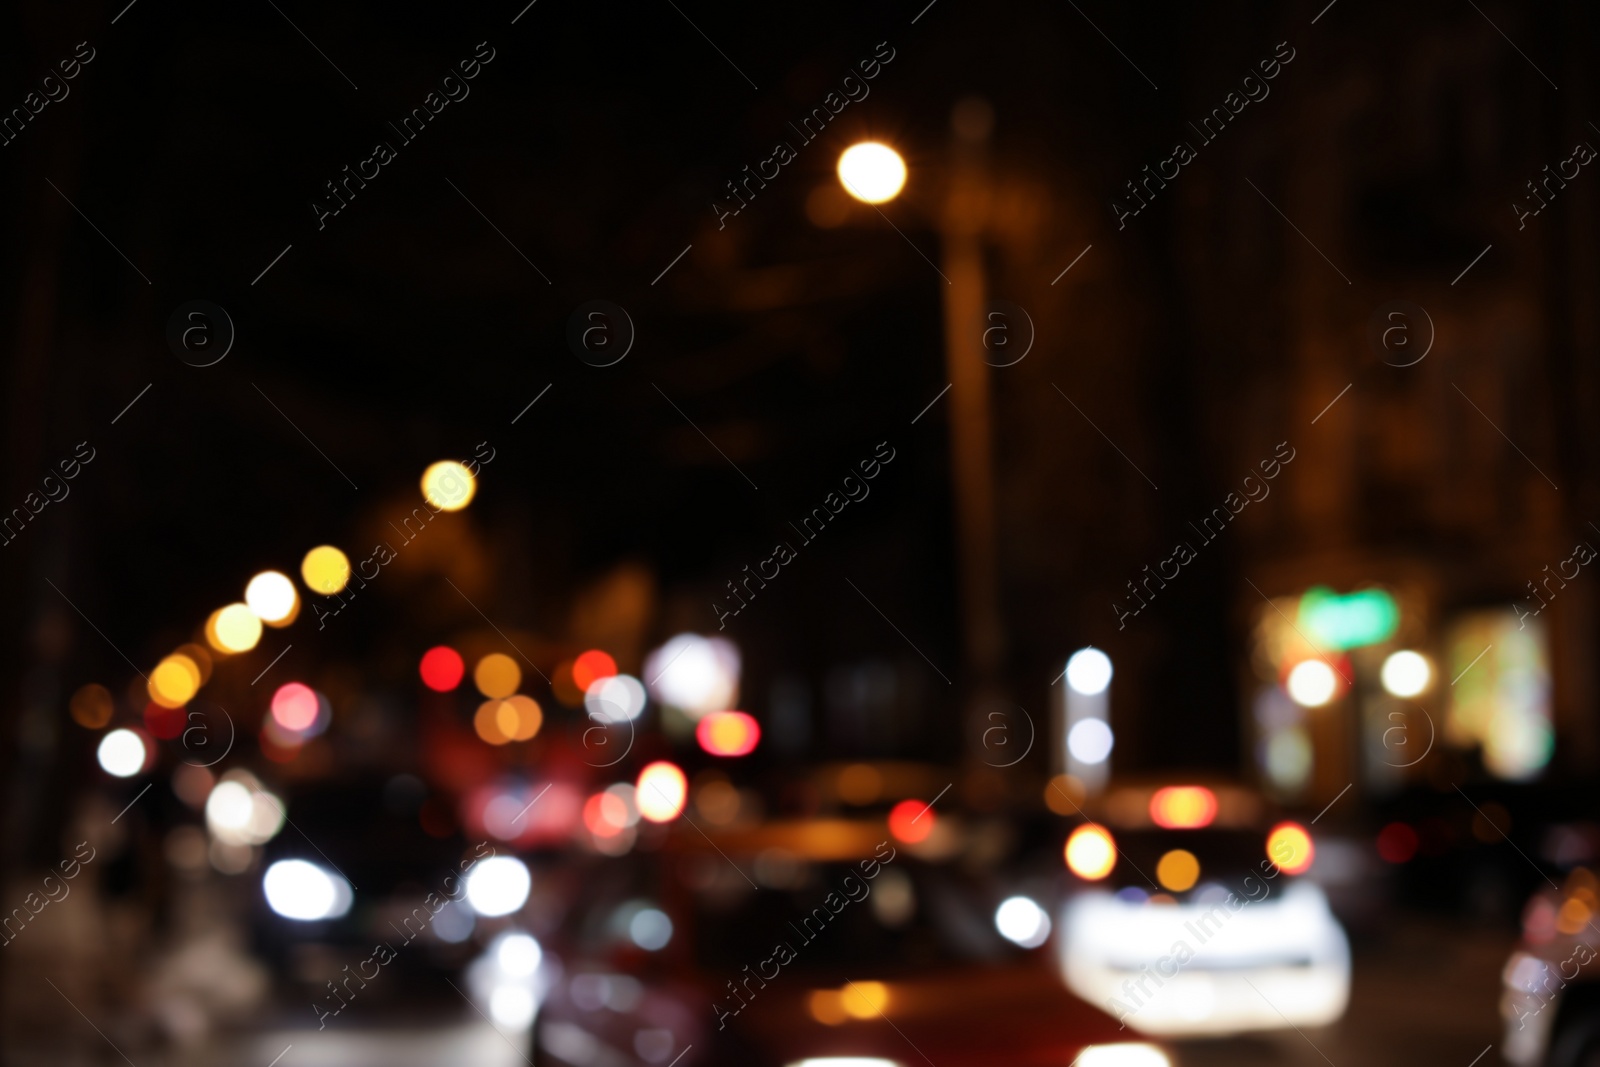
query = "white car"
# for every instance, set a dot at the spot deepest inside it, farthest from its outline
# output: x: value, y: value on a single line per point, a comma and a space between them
x: 1228, y: 942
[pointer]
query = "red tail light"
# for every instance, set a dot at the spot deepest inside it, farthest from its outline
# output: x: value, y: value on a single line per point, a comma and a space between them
x: 1183, y: 807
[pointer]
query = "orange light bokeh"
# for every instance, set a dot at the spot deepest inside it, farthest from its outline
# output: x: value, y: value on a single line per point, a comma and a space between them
x: 728, y: 733
x: 1290, y: 847
x: 1183, y: 807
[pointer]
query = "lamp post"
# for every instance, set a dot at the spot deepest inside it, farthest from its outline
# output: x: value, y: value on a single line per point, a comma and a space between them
x: 874, y: 173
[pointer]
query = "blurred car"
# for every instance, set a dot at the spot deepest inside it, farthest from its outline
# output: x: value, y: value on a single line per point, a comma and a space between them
x: 818, y: 942
x: 1193, y: 920
x: 1550, y: 995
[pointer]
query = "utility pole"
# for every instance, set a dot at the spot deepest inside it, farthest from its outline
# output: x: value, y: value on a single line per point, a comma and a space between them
x: 962, y: 223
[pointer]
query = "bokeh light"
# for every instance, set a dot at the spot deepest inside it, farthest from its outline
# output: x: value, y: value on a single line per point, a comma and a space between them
x: 294, y: 706
x: 517, y: 954
x: 228, y: 807
x: 661, y: 791
x: 518, y: 811
x: 694, y: 673
x: 498, y: 885
x: 728, y: 733
x: 174, y: 681
x: 864, y: 1000
x: 1022, y: 921
x: 1123, y: 1054
x: 91, y: 706
x: 592, y: 666
x: 228, y: 811
x: 325, y: 570
x: 1406, y: 673
x: 1090, y: 741
x: 486, y: 723
x: 454, y: 923
x: 1178, y: 870
x: 1290, y: 847
x: 1312, y: 683
x: 520, y: 717
x: 506, y: 718
x: 497, y: 676
x: 442, y: 668
x: 827, y: 1009
x: 1288, y: 757
x: 239, y: 812
x: 512, y: 1006
x: 650, y: 929
x: 303, y: 891
x: 619, y: 698
x: 234, y: 628
x: 121, y: 753
x: 605, y: 814
x: 271, y: 596
x: 1183, y: 807
x: 1089, y: 671
x: 1090, y: 852
x: 871, y: 172
x: 448, y: 485
x: 629, y: 796
x: 911, y: 821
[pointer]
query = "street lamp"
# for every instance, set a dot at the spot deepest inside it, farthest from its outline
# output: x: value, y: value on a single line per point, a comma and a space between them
x: 874, y: 173
x: 871, y: 172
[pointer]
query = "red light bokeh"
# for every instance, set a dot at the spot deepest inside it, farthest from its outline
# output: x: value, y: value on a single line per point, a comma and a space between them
x: 911, y: 821
x: 592, y: 666
x: 442, y: 668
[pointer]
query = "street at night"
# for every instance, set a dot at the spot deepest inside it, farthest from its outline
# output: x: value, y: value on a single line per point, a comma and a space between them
x: 682, y: 535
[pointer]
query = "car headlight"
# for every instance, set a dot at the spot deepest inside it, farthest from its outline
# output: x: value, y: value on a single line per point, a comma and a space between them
x: 1123, y: 1054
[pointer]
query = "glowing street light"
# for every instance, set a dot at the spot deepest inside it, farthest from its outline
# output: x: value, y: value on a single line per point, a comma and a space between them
x: 271, y: 596
x: 1406, y: 673
x: 325, y: 570
x: 1312, y: 683
x: 122, y: 753
x: 1089, y: 671
x: 871, y: 172
x: 1085, y: 712
x: 234, y: 628
x: 448, y: 485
